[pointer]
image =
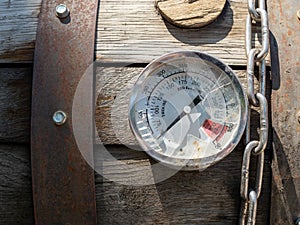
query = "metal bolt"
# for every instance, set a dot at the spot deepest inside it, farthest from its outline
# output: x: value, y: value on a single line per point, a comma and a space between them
x: 59, y: 117
x: 297, y: 222
x: 298, y: 117
x: 298, y: 15
x: 62, y: 11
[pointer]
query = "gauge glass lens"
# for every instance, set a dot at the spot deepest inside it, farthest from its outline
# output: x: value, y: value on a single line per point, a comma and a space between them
x: 188, y: 110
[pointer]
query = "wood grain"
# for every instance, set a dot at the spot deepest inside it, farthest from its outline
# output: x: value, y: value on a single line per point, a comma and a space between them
x: 191, y: 13
x: 15, y: 185
x: 15, y: 101
x: 128, y: 31
x: 132, y: 32
x: 138, y: 34
x: 18, y: 24
x: 113, y: 90
x: 209, y: 197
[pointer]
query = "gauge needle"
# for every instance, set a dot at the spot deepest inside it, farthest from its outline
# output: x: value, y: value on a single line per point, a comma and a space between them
x: 195, y: 102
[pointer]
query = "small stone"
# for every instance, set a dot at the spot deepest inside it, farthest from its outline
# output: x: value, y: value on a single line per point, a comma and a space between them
x: 190, y: 13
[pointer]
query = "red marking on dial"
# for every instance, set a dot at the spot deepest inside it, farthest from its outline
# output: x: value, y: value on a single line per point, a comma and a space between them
x: 214, y: 130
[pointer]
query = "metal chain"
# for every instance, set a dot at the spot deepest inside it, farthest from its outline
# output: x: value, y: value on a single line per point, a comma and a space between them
x: 255, y: 147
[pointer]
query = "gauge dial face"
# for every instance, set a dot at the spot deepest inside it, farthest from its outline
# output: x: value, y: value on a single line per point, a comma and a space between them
x: 188, y: 110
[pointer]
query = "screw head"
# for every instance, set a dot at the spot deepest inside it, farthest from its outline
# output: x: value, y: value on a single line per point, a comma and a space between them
x: 298, y: 15
x: 62, y: 11
x: 59, y: 117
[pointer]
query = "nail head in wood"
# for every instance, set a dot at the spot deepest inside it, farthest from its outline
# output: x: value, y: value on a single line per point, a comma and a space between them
x: 190, y: 13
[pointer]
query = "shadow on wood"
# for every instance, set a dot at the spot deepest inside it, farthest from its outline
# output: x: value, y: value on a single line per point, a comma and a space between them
x: 212, y: 33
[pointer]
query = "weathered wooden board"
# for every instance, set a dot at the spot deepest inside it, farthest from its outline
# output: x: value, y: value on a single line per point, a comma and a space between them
x: 129, y: 31
x: 209, y: 197
x: 15, y: 185
x: 18, y: 23
x: 143, y: 204
x: 285, y: 49
x: 15, y: 93
x: 113, y: 89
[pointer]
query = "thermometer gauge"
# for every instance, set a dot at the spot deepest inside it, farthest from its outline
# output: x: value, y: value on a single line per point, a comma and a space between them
x: 188, y: 110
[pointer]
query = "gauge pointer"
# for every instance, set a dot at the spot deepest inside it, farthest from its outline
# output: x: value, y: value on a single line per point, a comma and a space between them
x: 195, y: 102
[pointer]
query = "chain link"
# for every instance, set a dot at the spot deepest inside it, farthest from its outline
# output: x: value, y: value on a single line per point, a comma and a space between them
x: 255, y: 147
x: 250, y: 76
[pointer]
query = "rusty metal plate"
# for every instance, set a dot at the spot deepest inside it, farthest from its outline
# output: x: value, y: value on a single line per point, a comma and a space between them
x: 63, y: 183
x: 285, y: 60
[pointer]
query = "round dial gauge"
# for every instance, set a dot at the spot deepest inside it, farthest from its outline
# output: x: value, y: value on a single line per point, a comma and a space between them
x: 188, y: 110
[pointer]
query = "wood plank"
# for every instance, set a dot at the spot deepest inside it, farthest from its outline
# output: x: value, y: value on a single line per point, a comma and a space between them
x: 15, y: 185
x: 18, y: 24
x: 113, y: 86
x: 129, y: 31
x: 285, y: 61
x: 15, y: 100
x: 134, y: 32
x: 208, y: 197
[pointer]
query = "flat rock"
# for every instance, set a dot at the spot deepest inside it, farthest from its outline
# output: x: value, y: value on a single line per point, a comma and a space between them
x: 190, y: 13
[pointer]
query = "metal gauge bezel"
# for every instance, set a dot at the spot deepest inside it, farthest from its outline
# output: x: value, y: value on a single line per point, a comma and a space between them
x: 198, y: 163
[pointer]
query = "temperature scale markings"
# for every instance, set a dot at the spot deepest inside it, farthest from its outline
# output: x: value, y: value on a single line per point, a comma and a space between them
x: 147, y: 135
x: 139, y: 122
x: 143, y: 128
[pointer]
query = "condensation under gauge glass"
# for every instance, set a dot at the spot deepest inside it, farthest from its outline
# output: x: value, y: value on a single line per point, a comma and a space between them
x: 188, y: 110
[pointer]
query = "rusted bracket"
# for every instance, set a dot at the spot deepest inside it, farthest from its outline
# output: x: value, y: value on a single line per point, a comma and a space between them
x: 285, y: 60
x: 63, y: 183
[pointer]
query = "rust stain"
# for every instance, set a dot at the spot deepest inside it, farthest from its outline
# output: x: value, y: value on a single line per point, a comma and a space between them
x: 280, y: 8
x: 283, y: 21
x: 280, y: 108
x: 196, y: 143
x: 63, y: 52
